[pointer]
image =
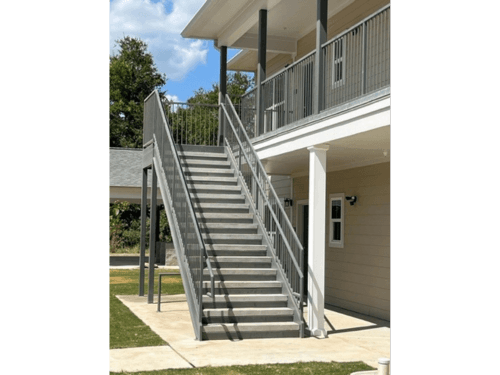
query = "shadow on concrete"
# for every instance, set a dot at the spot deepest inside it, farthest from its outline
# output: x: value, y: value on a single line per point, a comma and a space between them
x: 375, y: 322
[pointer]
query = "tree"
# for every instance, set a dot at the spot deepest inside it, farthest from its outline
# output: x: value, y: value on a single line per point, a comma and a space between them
x: 237, y: 84
x: 200, y: 125
x: 132, y: 77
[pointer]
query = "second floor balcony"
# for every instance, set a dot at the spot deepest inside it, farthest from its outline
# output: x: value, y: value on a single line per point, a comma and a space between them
x: 356, y: 69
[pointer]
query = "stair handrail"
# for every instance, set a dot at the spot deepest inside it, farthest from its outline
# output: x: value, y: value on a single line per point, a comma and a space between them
x: 169, y: 163
x: 293, y: 237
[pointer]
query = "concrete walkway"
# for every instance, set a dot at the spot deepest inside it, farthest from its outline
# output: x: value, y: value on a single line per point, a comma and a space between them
x: 352, y: 337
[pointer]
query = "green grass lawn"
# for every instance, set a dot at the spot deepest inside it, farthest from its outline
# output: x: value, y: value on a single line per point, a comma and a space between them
x: 128, y: 331
x: 309, y: 368
x: 125, y: 329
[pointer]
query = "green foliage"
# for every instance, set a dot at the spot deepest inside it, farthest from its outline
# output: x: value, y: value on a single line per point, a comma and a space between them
x: 199, y: 125
x: 132, y: 77
x: 237, y: 84
x: 125, y: 226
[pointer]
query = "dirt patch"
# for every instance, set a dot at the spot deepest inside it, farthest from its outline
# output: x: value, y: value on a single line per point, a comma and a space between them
x: 121, y: 280
x: 127, y: 280
x: 170, y: 280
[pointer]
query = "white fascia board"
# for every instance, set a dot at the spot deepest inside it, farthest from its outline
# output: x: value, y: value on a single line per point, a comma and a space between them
x: 188, y: 31
x: 366, y: 118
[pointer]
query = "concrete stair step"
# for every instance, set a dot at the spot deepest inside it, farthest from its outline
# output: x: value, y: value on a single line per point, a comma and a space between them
x: 232, y: 238
x: 214, y: 163
x: 193, y: 155
x: 241, y: 274
x: 235, y: 331
x: 222, y: 207
x: 224, y: 217
x: 244, y: 287
x: 245, y: 300
x: 240, y: 261
x: 215, y: 172
x: 214, y: 189
x: 229, y: 228
x: 236, y: 250
x: 247, y: 315
x: 217, y: 198
x: 211, y: 180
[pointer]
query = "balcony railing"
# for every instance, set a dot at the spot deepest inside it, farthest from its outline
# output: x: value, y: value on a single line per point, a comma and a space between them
x: 356, y: 63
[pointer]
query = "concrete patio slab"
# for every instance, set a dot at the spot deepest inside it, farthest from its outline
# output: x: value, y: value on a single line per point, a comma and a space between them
x: 352, y: 337
x: 145, y: 359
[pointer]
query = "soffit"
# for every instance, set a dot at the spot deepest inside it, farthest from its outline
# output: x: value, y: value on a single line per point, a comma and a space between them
x: 354, y: 151
x: 232, y: 20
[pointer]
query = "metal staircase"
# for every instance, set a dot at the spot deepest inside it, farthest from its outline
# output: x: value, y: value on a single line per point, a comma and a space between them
x: 242, y: 277
x: 248, y: 297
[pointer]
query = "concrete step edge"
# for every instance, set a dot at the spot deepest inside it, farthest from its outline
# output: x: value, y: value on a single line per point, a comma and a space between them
x: 248, y: 311
x: 240, y: 271
x: 220, y: 155
x: 255, y: 327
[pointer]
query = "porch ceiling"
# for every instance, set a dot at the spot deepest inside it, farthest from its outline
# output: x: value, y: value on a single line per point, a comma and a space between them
x: 234, y: 23
x: 355, y: 151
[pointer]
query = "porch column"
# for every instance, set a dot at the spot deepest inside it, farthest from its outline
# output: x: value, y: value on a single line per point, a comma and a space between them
x: 261, y: 69
x: 321, y: 28
x: 222, y: 91
x: 152, y: 236
x: 316, y: 241
x: 144, y: 210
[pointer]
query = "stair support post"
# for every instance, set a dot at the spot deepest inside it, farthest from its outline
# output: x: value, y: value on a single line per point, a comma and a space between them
x: 144, y: 209
x: 152, y: 236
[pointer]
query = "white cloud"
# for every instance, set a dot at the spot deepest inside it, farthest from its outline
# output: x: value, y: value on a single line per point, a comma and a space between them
x: 173, y: 55
x: 172, y: 98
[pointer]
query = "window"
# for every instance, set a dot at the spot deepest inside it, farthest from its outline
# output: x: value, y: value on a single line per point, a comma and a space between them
x: 338, y: 62
x: 336, y: 234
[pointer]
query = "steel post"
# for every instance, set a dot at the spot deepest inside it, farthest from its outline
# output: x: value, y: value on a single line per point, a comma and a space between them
x: 152, y: 236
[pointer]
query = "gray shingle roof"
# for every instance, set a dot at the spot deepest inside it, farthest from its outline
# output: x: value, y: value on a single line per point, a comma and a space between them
x: 125, y: 167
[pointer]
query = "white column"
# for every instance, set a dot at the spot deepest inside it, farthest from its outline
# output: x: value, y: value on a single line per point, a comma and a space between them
x: 316, y: 244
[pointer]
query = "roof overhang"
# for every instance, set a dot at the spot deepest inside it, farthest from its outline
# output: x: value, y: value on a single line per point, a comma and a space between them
x: 234, y: 23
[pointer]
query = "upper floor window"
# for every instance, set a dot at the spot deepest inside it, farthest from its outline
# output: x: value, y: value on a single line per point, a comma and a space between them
x: 338, y: 62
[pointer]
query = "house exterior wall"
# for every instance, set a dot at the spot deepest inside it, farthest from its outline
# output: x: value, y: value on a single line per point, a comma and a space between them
x: 358, y: 275
x: 347, y: 17
x: 282, y: 186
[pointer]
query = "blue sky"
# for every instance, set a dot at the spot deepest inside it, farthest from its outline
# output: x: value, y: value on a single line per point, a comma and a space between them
x: 189, y: 64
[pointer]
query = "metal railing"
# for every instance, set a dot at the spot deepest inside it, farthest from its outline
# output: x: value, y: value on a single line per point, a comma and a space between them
x: 248, y: 111
x: 356, y: 62
x: 192, y: 252
x: 286, y: 247
x: 193, y: 123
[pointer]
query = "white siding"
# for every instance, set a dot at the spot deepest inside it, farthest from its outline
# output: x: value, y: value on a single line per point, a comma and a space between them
x: 282, y: 186
x: 358, y: 275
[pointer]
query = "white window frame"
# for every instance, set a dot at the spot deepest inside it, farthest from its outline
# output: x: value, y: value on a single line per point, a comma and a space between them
x: 332, y: 197
x: 337, y: 61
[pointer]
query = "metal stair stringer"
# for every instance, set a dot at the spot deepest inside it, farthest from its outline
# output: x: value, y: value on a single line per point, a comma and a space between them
x: 187, y: 282
x: 189, y: 246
